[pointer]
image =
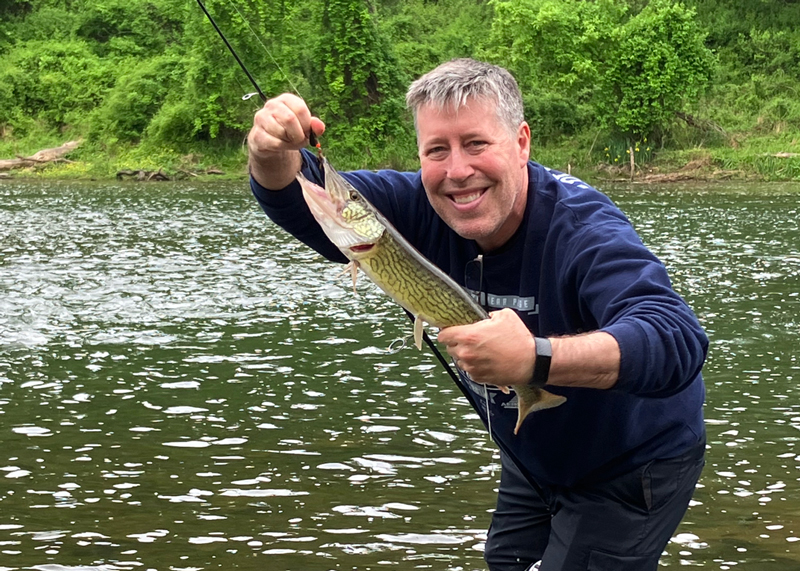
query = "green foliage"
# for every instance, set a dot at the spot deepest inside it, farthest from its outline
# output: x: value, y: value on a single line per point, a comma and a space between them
x: 553, y: 44
x: 579, y: 61
x: 138, y: 94
x: 174, y: 122
x: 556, y: 49
x: 48, y: 23
x: 152, y: 76
x: 618, y: 152
x: 424, y: 34
x: 551, y: 114
x: 141, y: 24
x: 760, y: 158
x: 659, y: 62
x: 363, y: 88
x: 758, y: 77
x: 57, y: 82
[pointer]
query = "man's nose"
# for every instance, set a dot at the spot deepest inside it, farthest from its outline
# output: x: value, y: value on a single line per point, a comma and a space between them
x: 459, y: 165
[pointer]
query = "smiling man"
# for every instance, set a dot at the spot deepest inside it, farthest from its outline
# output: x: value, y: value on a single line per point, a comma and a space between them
x: 474, y: 169
x: 577, y: 303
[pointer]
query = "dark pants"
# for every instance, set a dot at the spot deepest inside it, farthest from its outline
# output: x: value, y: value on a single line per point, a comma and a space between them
x: 622, y: 524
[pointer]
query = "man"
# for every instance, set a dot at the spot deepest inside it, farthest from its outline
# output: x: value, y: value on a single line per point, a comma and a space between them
x: 602, y: 481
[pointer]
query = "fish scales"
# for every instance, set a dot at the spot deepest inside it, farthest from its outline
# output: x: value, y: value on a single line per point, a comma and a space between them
x: 415, y: 287
x: 370, y: 242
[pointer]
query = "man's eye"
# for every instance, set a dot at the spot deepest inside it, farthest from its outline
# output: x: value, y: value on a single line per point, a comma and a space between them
x: 434, y: 152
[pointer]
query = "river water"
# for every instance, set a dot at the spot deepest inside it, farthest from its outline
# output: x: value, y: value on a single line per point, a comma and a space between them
x: 184, y: 387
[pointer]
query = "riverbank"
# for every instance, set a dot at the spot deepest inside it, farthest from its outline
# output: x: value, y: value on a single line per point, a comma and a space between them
x: 756, y: 158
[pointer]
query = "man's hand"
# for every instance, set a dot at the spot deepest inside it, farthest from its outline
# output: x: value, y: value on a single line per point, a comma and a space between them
x: 496, y: 351
x: 501, y: 351
x: 280, y: 129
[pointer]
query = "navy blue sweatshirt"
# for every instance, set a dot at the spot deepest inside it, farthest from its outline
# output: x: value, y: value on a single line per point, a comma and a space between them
x: 575, y: 265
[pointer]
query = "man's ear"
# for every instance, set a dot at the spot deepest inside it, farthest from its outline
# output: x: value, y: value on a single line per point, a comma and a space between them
x: 524, y: 142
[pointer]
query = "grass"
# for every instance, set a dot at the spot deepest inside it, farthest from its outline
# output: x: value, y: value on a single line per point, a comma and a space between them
x: 98, y: 162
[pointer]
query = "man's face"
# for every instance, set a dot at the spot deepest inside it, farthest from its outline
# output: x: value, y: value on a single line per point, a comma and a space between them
x: 474, y: 170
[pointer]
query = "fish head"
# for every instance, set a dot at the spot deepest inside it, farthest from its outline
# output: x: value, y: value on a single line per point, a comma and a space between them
x: 346, y: 217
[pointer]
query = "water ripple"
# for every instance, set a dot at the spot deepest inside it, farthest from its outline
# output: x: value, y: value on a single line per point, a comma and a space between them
x: 184, y: 387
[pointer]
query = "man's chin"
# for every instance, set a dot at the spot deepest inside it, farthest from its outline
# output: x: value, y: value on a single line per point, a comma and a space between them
x: 470, y: 231
x: 467, y: 227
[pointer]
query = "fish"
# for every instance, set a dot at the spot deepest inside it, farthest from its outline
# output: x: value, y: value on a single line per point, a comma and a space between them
x: 376, y: 247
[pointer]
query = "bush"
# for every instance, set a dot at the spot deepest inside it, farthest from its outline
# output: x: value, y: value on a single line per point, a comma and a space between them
x: 551, y: 115
x: 54, y: 81
x: 659, y: 62
x: 136, y: 98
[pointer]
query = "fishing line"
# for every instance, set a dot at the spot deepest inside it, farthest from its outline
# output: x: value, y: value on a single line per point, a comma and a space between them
x: 266, y: 49
x: 233, y: 52
x: 488, y: 412
x: 312, y: 138
x: 443, y: 362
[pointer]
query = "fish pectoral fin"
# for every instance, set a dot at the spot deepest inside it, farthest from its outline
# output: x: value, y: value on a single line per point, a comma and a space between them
x: 352, y: 269
x: 531, y: 400
x: 418, y: 331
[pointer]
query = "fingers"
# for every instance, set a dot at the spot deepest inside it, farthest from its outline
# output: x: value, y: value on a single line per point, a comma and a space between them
x: 456, y: 342
x: 498, y: 351
x: 450, y: 335
x: 283, y: 124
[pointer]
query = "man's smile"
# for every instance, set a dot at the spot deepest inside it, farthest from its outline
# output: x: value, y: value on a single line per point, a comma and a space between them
x: 468, y: 197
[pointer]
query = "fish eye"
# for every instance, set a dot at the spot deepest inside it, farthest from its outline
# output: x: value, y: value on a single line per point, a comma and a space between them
x: 354, y: 195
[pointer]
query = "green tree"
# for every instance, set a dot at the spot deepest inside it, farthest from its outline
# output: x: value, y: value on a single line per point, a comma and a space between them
x: 360, y: 80
x: 424, y: 34
x: 659, y: 63
x: 54, y: 82
x: 556, y: 49
x: 137, y: 96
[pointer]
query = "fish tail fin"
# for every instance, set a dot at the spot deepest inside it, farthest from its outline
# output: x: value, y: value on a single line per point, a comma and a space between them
x: 537, y: 400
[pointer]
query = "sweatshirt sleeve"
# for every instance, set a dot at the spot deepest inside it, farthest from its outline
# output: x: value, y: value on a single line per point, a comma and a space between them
x: 628, y: 293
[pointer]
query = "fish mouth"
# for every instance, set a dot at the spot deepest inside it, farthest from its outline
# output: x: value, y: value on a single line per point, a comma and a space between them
x: 361, y: 248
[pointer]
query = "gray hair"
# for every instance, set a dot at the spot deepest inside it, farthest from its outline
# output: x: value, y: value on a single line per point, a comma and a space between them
x: 456, y: 81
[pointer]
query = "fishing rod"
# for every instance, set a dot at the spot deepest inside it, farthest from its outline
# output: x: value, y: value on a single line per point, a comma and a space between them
x: 442, y: 361
x: 312, y: 138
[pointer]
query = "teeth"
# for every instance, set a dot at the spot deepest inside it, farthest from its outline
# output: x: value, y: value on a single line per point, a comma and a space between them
x: 467, y: 198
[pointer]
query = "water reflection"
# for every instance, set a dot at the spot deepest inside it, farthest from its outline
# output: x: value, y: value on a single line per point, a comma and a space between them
x: 184, y: 387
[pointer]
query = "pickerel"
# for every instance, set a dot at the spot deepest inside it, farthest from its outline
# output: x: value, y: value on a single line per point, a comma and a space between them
x: 371, y: 243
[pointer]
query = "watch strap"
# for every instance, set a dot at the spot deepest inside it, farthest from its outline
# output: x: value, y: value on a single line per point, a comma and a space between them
x: 541, y: 367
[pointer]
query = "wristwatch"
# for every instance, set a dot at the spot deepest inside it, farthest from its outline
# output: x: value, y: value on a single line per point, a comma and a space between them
x: 541, y: 368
